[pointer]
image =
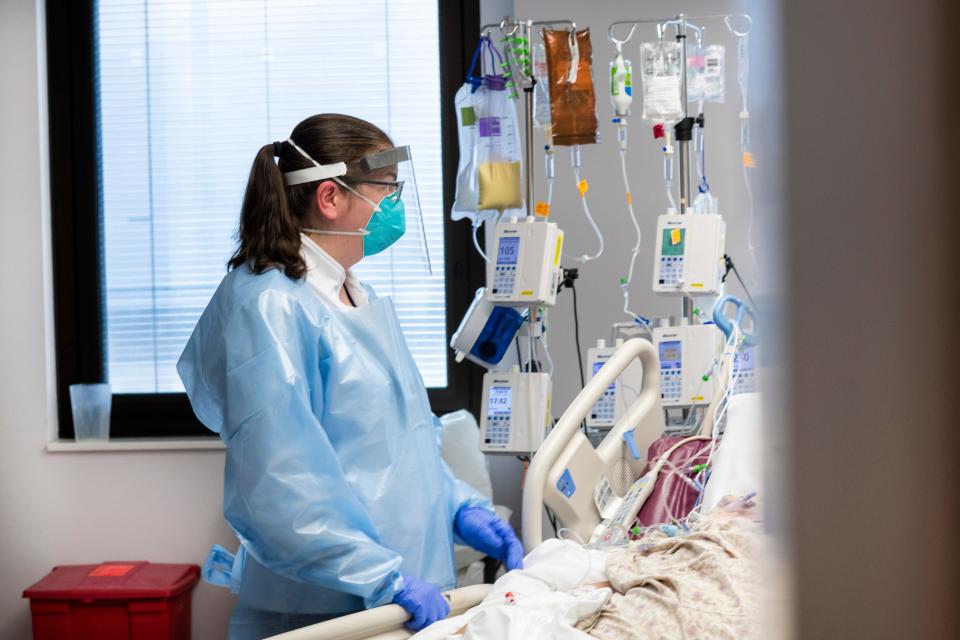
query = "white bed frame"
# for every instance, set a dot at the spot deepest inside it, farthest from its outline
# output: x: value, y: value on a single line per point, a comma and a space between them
x: 565, y: 449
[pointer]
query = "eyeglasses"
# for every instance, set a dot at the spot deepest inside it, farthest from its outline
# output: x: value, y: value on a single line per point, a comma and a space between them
x: 395, y: 185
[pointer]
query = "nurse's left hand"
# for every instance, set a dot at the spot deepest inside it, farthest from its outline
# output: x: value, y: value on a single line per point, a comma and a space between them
x: 488, y: 534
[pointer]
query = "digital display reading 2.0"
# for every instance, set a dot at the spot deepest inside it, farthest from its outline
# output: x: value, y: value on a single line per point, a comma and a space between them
x: 509, y: 250
x: 743, y: 360
x: 500, y: 400
x: 670, y: 355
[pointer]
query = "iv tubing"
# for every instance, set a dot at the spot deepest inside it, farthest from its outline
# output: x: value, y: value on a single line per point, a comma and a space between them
x: 476, y: 242
x: 668, y: 179
x: 575, y: 161
x: 636, y: 248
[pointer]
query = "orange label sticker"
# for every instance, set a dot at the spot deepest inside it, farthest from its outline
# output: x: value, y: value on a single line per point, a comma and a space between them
x: 629, y: 199
x: 749, y: 161
x: 675, y: 236
x: 583, y: 187
x: 111, y: 570
x: 542, y: 209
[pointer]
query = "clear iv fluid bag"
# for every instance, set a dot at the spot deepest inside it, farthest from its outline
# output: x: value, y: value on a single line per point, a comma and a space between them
x: 541, y: 90
x: 660, y: 69
x: 705, y: 74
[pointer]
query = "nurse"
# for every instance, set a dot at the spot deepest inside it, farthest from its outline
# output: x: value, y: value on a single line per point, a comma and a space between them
x: 334, y: 483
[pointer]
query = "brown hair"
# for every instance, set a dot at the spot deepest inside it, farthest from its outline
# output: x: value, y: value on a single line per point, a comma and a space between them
x: 271, y: 215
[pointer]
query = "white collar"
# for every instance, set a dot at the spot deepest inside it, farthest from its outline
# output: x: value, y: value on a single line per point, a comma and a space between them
x: 327, y: 276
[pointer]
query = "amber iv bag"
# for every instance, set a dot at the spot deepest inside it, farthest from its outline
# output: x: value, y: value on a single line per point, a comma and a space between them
x: 573, y: 104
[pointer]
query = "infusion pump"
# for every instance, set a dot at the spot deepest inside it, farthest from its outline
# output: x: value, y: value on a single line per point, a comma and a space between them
x: 526, y: 268
x: 689, y: 256
x: 745, y: 369
x: 620, y: 394
x: 515, y: 414
x: 686, y: 353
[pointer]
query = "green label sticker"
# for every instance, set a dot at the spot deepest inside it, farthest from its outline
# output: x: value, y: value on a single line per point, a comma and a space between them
x: 468, y: 116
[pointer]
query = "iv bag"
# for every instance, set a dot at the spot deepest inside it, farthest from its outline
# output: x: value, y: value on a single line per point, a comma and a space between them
x: 705, y: 70
x: 573, y: 103
x: 660, y: 68
x: 541, y: 90
x: 488, y: 175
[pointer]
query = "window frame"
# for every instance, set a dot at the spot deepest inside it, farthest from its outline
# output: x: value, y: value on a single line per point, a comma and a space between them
x: 77, y: 237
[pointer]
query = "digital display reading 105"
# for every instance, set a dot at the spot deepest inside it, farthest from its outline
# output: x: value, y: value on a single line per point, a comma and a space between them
x: 509, y: 250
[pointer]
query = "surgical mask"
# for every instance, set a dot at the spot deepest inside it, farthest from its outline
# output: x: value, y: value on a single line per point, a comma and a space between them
x: 387, y: 224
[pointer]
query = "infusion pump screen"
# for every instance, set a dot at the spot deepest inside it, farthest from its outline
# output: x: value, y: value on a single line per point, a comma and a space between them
x: 498, y: 404
x: 596, y: 367
x: 508, y: 250
x: 743, y: 360
x: 670, y: 355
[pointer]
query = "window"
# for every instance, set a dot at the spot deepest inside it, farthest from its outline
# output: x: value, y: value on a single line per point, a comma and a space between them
x: 171, y: 100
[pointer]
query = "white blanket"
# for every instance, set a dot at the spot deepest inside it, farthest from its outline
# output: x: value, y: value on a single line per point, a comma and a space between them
x: 543, y: 600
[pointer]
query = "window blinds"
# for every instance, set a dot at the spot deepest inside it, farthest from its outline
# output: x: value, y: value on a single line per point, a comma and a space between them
x: 187, y: 92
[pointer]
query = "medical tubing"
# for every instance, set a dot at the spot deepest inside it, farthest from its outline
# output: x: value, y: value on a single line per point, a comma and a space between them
x: 636, y: 248
x: 476, y: 242
x: 714, y: 367
x: 668, y: 179
x: 542, y: 339
x: 586, y: 212
x: 699, y: 136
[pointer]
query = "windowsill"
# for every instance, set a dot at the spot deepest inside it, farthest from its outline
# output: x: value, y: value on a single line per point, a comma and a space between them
x: 136, y: 444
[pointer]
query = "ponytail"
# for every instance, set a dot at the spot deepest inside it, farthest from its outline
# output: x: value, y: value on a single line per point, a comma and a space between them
x: 272, y: 212
x: 269, y: 235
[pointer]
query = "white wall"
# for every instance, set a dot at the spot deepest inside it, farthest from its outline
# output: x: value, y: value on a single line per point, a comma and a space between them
x: 60, y: 508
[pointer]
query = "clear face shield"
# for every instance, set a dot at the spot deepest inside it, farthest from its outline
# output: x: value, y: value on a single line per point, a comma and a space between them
x: 396, y: 230
x: 392, y: 170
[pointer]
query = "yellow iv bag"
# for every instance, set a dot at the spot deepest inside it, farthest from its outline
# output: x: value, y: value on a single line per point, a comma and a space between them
x: 499, y: 185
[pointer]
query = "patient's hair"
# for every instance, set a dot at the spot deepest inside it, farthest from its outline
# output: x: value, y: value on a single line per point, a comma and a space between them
x: 272, y: 213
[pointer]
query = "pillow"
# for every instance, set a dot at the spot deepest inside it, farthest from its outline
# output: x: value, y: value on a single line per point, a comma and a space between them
x: 461, y: 451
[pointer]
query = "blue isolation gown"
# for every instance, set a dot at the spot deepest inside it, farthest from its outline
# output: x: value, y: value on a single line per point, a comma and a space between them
x: 334, y: 483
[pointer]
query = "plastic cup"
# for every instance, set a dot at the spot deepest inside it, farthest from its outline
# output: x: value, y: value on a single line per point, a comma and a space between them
x: 91, y: 410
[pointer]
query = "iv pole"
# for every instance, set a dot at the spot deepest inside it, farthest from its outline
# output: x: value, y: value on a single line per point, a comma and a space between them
x: 683, y: 130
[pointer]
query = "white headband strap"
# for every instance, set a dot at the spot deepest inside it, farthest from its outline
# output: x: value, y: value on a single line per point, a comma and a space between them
x: 314, y: 173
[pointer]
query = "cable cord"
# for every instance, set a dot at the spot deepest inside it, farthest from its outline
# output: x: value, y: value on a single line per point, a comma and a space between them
x: 576, y: 335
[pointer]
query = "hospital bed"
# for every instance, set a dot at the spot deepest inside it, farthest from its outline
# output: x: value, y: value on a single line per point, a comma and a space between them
x: 563, y: 476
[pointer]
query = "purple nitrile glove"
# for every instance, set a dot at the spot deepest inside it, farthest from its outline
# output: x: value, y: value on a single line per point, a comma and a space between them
x: 423, y: 601
x: 488, y: 534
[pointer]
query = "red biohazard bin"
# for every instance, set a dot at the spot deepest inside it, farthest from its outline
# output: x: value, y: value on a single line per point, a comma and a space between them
x: 114, y: 601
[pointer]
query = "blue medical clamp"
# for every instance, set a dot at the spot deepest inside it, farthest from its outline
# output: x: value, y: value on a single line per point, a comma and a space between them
x: 628, y: 438
x: 724, y: 323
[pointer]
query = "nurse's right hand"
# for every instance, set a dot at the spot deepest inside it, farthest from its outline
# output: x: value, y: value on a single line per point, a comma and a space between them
x: 423, y: 602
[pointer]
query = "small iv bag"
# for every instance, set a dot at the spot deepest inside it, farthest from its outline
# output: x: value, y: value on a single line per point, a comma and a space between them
x: 705, y: 71
x: 660, y: 68
x: 621, y: 85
